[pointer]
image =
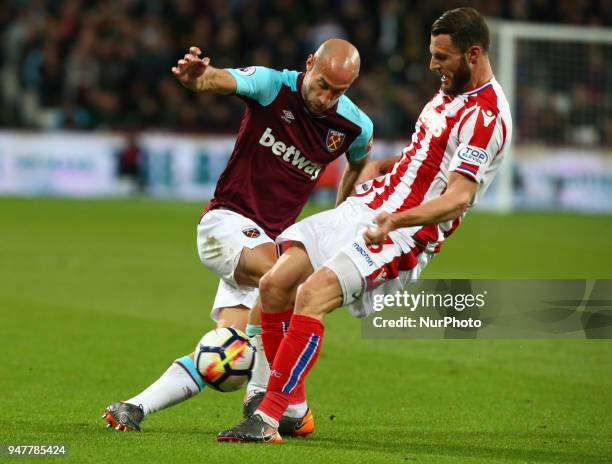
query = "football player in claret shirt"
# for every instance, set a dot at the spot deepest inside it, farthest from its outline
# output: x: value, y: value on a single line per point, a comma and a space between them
x: 294, y: 125
x: 376, y: 242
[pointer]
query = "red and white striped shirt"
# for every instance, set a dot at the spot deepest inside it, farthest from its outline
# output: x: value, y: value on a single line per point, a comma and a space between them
x: 466, y: 133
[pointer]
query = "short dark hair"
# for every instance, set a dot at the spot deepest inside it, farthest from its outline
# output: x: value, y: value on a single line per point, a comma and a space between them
x: 466, y: 26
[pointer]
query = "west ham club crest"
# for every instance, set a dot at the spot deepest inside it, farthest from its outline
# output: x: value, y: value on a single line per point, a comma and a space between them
x: 251, y: 232
x: 334, y: 140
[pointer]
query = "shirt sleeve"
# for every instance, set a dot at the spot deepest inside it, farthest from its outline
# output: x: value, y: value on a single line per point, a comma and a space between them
x: 481, y: 138
x: 257, y: 83
x: 362, y: 145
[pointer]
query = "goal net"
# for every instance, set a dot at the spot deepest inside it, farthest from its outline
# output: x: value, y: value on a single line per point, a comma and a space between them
x: 558, y: 80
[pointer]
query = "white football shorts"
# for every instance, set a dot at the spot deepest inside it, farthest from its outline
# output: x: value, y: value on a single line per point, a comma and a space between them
x: 221, y: 236
x: 334, y: 239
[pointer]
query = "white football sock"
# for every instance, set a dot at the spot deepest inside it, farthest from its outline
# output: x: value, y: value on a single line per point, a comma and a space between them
x: 297, y: 411
x: 180, y: 382
x: 267, y: 419
x: 261, y: 369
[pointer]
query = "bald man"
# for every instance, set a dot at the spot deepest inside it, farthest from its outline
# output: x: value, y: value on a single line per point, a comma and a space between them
x: 294, y: 125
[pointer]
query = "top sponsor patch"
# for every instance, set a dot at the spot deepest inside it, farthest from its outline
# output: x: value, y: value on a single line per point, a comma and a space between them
x: 473, y: 155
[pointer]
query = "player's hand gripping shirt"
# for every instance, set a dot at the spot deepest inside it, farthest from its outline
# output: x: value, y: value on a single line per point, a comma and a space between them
x: 282, y: 149
x: 466, y: 133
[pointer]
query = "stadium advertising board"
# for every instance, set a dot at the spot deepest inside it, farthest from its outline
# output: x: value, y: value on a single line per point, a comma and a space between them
x: 187, y: 167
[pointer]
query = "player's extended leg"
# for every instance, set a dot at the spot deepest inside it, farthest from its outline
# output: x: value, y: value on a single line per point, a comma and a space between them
x: 236, y: 249
x: 279, y: 285
x: 320, y: 294
x: 181, y: 381
x: 278, y: 288
x: 299, y: 349
x: 261, y: 369
x: 253, y: 264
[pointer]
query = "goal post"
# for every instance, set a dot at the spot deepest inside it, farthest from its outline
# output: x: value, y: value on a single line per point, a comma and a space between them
x: 547, y: 72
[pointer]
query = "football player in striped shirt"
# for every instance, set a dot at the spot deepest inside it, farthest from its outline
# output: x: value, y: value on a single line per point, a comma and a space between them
x: 377, y: 241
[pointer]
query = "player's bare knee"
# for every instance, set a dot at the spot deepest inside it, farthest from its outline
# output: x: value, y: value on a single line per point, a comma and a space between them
x: 274, y: 297
x: 306, y: 302
x: 267, y: 284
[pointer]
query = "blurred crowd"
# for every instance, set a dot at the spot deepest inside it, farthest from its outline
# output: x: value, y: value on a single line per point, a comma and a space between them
x: 564, y: 93
x: 105, y: 64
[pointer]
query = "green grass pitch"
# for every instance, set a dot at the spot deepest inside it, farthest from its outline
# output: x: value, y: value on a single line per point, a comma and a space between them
x: 98, y: 298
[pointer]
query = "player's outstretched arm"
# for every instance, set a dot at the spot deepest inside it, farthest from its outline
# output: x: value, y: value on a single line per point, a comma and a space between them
x: 376, y: 168
x: 197, y: 75
x: 449, y: 205
x: 351, y: 173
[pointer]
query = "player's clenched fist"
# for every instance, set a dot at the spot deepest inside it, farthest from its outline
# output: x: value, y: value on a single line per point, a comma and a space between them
x: 190, y: 68
x: 377, y: 236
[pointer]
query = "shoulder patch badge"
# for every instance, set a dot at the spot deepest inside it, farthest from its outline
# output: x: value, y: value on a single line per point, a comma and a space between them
x: 247, y: 71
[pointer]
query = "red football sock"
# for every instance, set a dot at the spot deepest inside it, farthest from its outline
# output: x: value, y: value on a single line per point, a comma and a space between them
x: 273, y: 329
x: 296, y: 355
x: 298, y: 396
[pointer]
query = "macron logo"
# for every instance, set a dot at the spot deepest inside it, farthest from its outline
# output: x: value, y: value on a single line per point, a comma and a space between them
x: 363, y: 253
x: 289, y: 154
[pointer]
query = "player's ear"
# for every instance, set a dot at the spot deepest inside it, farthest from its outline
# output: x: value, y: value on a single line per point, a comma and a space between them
x: 473, y: 54
x: 309, y: 62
